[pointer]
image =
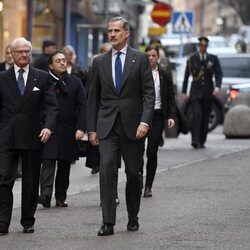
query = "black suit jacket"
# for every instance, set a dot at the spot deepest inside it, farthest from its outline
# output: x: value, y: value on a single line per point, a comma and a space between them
x: 2, y: 66
x: 202, y: 83
x: 23, y: 117
x: 134, y: 103
x: 167, y: 94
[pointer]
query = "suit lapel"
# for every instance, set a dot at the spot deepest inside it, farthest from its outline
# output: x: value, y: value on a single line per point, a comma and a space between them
x: 31, y: 81
x: 128, y: 65
x: 12, y: 83
x: 108, y: 69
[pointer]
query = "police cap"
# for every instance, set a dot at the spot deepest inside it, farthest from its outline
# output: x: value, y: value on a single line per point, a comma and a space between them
x: 203, y: 40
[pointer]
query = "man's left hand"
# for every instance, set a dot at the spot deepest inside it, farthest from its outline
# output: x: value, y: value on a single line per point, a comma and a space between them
x: 45, y: 135
x: 170, y: 123
x: 79, y: 134
x: 142, y: 131
x: 216, y: 91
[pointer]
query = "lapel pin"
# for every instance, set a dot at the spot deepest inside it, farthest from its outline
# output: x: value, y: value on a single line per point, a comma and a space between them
x: 133, y: 61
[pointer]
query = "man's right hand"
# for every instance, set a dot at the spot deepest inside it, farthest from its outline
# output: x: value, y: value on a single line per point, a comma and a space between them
x: 185, y: 97
x: 93, y: 138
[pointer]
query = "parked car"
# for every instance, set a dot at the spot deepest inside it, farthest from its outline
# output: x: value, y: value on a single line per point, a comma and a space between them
x: 235, y: 90
x: 217, y: 45
x: 236, y: 70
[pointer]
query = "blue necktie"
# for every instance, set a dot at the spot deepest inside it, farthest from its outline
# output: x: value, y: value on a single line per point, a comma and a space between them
x: 118, y: 72
x: 20, y: 81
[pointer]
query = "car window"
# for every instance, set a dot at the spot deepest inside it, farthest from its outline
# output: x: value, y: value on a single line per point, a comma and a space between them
x: 235, y: 67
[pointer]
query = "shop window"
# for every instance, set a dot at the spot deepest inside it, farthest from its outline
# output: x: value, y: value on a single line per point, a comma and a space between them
x: 47, y: 22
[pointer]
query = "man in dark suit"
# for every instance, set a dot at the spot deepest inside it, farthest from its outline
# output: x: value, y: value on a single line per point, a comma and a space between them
x: 120, y: 108
x: 8, y: 62
x: 28, y: 111
x: 203, y: 67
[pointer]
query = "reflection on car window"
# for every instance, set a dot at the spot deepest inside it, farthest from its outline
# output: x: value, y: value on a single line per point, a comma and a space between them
x: 235, y: 67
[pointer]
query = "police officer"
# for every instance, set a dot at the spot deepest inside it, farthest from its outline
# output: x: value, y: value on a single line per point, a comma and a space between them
x: 202, y: 66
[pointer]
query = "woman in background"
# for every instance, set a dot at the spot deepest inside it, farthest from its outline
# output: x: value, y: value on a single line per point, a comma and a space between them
x: 164, y: 114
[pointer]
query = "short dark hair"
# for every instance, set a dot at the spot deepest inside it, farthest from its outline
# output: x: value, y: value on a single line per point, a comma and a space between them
x: 50, y: 60
x: 153, y: 47
x: 47, y: 43
x: 123, y: 20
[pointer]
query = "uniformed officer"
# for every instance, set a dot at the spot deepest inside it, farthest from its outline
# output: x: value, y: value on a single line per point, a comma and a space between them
x: 202, y: 66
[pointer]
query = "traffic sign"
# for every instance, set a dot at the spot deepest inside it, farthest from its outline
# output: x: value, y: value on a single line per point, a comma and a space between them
x: 183, y: 22
x: 161, y: 13
x: 157, y: 31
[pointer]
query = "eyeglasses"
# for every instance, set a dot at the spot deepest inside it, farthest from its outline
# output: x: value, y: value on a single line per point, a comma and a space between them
x: 20, y: 52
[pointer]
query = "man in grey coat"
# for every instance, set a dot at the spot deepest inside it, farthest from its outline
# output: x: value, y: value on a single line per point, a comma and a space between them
x: 120, y: 108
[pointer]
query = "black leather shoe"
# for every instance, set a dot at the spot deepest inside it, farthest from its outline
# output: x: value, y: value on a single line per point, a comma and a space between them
x: 61, y: 203
x: 106, y: 229
x: 202, y: 146
x: 147, y: 192
x: 95, y: 170
x: 44, y: 200
x: 133, y: 224
x: 28, y: 230
x: 195, y: 145
x: 3, y: 231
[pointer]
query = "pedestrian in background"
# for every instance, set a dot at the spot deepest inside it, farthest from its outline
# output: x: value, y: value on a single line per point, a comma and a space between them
x: 26, y: 97
x: 41, y: 62
x: 203, y: 67
x: 120, y: 109
x: 8, y: 62
x: 164, y: 114
x: 72, y: 66
x: 71, y: 124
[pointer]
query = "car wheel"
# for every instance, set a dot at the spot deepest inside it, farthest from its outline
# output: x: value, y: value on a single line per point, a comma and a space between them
x: 214, y: 119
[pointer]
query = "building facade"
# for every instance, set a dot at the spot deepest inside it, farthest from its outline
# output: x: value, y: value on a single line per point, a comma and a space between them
x: 80, y: 23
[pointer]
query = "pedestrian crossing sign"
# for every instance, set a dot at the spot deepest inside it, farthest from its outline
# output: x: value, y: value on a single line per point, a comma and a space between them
x: 182, y: 22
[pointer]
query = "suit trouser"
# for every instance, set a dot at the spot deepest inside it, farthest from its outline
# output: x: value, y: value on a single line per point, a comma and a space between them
x: 201, y: 109
x: 61, y: 182
x: 31, y: 164
x: 154, y: 139
x: 111, y: 147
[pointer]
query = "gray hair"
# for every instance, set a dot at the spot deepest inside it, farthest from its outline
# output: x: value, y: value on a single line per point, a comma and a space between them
x: 123, y: 20
x: 22, y: 41
x: 69, y: 48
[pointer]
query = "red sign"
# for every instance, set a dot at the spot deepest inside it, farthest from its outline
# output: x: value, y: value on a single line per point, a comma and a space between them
x: 161, y: 13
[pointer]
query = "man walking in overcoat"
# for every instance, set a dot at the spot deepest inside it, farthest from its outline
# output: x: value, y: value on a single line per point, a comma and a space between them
x: 28, y: 112
x: 71, y: 124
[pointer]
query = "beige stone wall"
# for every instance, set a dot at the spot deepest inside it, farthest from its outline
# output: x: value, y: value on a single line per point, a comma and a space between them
x: 13, y: 20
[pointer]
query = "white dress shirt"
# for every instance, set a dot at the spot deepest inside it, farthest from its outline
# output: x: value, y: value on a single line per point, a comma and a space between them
x: 156, y: 78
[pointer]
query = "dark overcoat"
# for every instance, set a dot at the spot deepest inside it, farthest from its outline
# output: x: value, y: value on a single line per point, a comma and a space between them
x: 20, y: 116
x: 71, y: 117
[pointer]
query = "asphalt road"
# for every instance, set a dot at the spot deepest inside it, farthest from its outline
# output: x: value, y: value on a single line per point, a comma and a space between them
x: 201, y: 200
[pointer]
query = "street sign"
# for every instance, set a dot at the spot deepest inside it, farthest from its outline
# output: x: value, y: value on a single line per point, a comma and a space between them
x: 161, y: 13
x: 183, y: 22
x: 157, y: 31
